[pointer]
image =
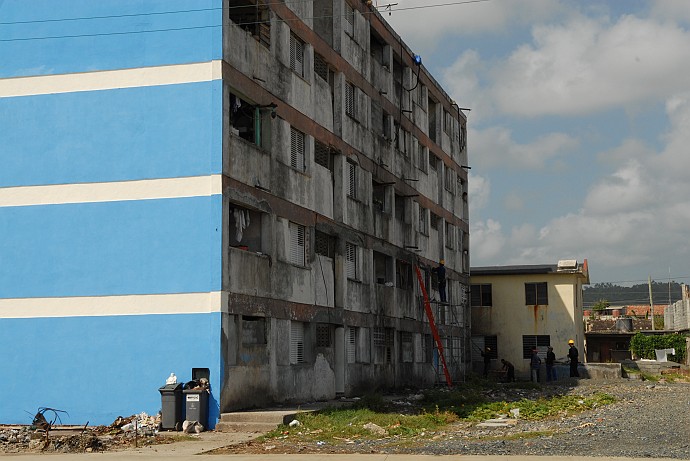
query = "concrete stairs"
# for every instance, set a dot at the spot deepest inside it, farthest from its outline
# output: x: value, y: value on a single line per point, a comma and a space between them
x: 256, y: 421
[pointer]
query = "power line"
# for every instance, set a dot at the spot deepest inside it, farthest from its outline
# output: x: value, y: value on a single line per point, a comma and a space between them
x: 173, y: 29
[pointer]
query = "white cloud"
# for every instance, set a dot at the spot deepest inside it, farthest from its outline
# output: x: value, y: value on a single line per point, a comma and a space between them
x: 674, y: 10
x: 635, y: 219
x: 495, y: 146
x: 464, y: 19
x: 479, y: 191
x: 487, y: 240
x: 588, y: 65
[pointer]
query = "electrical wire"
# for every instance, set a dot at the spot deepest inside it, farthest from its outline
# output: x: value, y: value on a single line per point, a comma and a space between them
x: 173, y: 29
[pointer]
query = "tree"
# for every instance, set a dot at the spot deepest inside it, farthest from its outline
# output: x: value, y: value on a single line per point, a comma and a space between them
x: 601, y: 305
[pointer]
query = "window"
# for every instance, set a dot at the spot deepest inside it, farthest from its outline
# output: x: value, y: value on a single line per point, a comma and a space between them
x: 381, y: 265
x: 296, y: 343
x: 423, y: 220
x: 297, y: 148
x: 351, y: 261
x: 447, y: 122
x: 378, y: 197
x: 296, y: 249
x: 296, y: 55
x: 383, y: 344
x: 253, y: 330
x: 245, y: 228
x: 351, y: 344
x: 400, y: 207
x: 324, y: 244
x: 406, y: 346
x: 449, y: 182
x: 433, y: 161
x: 323, y: 335
x: 480, y: 295
x: 540, y: 342
x: 349, y: 25
x: 322, y: 155
x: 421, y: 157
x: 252, y: 17
x: 320, y: 67
x: 351, y: 179
x: 427, y: 348
x: 479, y: 345
x: 246, y: 120
x: 403, y: 275
x: 463, y: 137
x: 434, y: 220
x: 450, y: 235
x: 536, y: 294
x: 350, y: 101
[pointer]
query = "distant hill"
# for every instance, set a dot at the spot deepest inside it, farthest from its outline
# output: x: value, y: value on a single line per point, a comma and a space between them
x: 618, y: 295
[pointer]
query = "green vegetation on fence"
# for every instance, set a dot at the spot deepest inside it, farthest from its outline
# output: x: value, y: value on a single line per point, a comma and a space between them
x: 643, y: 346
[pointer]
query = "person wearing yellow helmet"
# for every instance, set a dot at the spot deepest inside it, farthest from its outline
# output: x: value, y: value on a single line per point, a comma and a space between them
x: 573, y: 356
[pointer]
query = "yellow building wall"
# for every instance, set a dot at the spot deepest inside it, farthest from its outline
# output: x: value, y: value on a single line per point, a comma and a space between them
x: 509, y: 318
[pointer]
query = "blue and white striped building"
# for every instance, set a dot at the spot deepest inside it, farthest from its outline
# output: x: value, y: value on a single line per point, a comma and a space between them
x: 119, y: 174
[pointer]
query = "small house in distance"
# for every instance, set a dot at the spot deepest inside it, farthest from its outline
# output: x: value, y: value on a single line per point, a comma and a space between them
x: 517, y: 308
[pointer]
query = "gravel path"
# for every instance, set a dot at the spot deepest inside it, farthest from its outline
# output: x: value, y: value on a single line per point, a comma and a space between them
x: 648, y: 421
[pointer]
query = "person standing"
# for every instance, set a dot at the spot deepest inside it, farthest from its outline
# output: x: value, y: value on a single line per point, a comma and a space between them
x: 573, y: 356
x: 441, y: 274
x: 486, y: 355
x: 509, y: 369
x: 535, y: 364
x: 550, y: 359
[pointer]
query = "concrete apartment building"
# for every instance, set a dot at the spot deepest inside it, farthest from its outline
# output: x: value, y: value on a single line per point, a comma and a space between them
x: 237, y: 187
x: 517, y: 308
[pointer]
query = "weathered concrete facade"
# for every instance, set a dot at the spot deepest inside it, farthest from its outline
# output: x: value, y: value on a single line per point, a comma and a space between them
x: 350, y: 183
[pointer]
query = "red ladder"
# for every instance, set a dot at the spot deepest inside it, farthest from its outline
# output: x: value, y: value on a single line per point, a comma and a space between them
x: 434, y: 331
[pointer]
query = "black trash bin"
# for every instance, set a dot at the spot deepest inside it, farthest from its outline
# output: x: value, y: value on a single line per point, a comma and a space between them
x: 196, y: 405
x: 171, y: 407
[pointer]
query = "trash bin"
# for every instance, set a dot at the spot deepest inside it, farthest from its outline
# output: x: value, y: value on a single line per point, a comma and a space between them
x: 171, y: 407
x: 196, y: 405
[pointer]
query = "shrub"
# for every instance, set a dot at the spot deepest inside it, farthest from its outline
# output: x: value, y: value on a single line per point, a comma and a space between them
x: 643, y: 346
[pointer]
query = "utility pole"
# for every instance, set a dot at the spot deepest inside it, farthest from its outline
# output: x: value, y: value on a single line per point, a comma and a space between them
x: 651, y: 303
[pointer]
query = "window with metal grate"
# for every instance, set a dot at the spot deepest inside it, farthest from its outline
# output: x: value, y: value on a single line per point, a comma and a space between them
x: 539, y: 342
x: 322, y: 155
x: 297, y: 145
x: 321, y: 67
x: 323, y: 335
x: 349, y: 25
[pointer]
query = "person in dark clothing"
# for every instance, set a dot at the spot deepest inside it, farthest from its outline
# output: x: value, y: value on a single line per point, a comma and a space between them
x: 487, y: 361
x: 509, y: 369
x: 550, y: 359
x: 441, y: 275
x: 573, y: 355
x: 535, y: 365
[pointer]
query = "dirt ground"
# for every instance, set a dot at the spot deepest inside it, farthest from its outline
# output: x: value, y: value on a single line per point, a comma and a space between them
x: 649, y: 420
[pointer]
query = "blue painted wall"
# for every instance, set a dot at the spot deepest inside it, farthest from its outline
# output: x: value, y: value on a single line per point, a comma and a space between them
x: 112, y: 135
x: 39, y: 37
x: 112, y: 248
x: 98, y: 368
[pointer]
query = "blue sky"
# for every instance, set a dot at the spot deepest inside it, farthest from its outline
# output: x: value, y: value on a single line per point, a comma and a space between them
x: 579, y: 134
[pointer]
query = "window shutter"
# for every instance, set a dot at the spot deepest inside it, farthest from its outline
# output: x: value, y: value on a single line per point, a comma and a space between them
x: 351, y: 261
x: 351, y: 344
x: 350, y: 100
x: 352, y: 180
x: 349, y: 18
x: 297, y: 238
x: 297, y: 149
x: 296, y: 342
x: 296, y: 55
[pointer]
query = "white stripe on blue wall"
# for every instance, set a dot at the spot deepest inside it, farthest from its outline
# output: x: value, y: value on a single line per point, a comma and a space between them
x: 99, y: 306
x: 111, y: 79
x: 197, y: 186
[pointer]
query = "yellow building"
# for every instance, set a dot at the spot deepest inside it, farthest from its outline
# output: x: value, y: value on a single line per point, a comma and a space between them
x: 518, y: 308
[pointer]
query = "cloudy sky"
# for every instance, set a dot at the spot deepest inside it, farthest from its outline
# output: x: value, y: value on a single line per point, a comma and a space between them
x: 579, y: 134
